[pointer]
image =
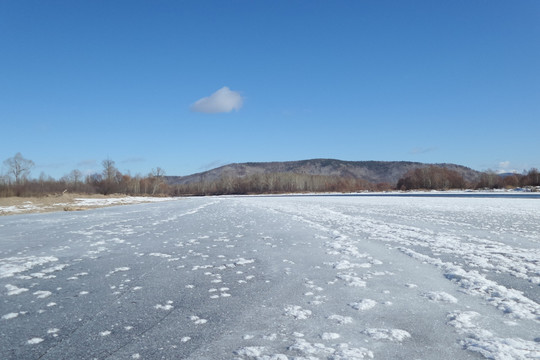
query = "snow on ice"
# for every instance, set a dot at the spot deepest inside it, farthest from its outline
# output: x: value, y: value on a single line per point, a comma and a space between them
x: 275, y: 278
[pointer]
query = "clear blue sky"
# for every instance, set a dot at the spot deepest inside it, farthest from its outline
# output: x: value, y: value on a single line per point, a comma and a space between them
x: 429, y: 81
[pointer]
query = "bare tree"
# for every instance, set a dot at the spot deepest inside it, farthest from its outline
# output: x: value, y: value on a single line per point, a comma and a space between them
x: 157, y: 179
x: 76, y: 176
x: 19, y: 167
x: 109, y: 170
x: 110, y: 179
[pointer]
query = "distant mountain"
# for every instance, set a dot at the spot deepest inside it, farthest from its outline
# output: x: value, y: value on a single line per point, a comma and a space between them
x: 372, y: 171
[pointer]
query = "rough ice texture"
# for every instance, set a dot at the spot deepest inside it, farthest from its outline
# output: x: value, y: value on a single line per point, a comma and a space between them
x: 291, y: 278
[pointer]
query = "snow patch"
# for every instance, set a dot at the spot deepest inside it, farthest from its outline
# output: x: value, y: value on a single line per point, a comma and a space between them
x: 251, y: 351
x: 14, y: 290
x: 341, y: 319
x: 330, y: 336
x: 297, y: 312
x: 490, y: 346
x: 160, y: 255
x: 197, y: 320
x: 35, y: 340
x: 10, y: 316
x: 14, y: 265
x: 440, y: 296
x: 42, y: 294
x: 396, y: 335
x: 363, y: 305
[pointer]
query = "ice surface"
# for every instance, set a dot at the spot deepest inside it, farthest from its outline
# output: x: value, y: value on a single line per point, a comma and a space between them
x: 288, y: 277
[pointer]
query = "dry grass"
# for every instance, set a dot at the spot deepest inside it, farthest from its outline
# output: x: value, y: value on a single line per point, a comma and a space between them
x: 49, y: 203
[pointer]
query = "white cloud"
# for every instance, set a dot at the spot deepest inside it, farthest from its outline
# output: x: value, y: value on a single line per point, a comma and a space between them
x: 505, y: 167
x: 222, y: 101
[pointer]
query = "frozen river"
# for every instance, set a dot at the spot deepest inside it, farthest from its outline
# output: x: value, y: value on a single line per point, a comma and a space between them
x: 305, y: 277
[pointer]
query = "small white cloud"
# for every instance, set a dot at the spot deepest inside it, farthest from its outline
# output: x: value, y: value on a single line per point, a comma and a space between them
x: 222, y: 101
x: 505, y: 167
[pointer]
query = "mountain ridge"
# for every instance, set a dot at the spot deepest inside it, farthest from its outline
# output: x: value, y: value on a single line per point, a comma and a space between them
x: 373, y: 171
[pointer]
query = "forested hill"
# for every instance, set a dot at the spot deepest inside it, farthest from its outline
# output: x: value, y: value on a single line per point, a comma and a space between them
x: 373, y: 171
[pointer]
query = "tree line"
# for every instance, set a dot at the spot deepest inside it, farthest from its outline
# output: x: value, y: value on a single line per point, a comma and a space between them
x: 17, y: 182
x: 278, y: 183
x: 439, y: 178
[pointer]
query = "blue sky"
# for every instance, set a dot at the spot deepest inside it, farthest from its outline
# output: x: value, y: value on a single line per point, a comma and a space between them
x: 133, y: 81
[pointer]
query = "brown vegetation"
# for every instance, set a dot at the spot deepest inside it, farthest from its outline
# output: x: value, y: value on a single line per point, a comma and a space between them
x: 438, y: 178
x: 112, y: 181
x: 431, y: 178
x: 278, y: 183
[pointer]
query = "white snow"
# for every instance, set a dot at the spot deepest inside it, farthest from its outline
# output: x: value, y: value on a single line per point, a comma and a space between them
x: 251, y: 351
x: 14, y: 265
x: 166, y: 307
x: 82, y: 203
x: 14, y: 290
x: 197, y: 320
x: 297, y: 312
x: 341, y: 319
x: 364, y: 304
x: 489, y: 345
x: 35, y: 340
x: 440, y: 296
x: 160, y: 255
x: 330, y: 336
x: 41, y: 294
x: 387, y: 334
x: 10, y: 316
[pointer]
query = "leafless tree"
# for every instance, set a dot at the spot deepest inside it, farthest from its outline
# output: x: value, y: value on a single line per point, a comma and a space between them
x: 109, y: 170
x: 19, y: 167
x: 157, y: 175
